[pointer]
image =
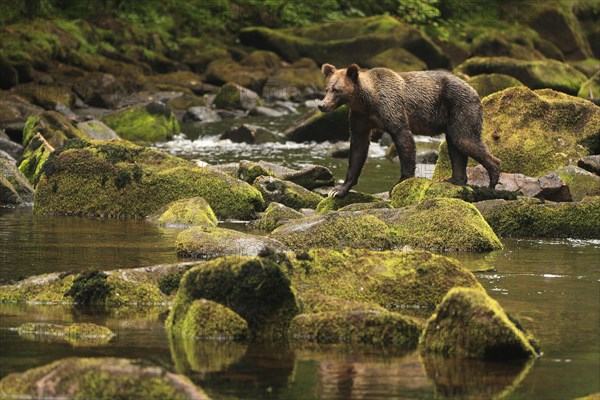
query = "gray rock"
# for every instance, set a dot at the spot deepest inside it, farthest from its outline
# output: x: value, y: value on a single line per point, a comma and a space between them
x: 339, y: 150
x: 590, y: 163
x: 310, y: 177
x: 250, y: 134
x: 97, y: 130
x: 66, y: 111
x: 201, y: 114
x: 15, y: 150
x: 266, y: 112
x: 4, y: 155
x: 15, y: 187
x: 286, y: 193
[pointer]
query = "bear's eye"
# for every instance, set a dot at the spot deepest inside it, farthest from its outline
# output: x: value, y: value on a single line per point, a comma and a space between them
x: 335, y: 90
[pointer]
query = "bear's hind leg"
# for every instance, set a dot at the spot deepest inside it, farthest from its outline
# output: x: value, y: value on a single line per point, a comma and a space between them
x: 407, y: 150
x: 479, y: 151
x: 459, y: 164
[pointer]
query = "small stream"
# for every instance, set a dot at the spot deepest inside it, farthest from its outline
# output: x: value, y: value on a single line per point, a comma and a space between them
x: 551, y: 286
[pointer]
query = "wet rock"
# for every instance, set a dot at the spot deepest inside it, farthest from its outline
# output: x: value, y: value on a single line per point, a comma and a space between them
x: 232, y: 95
x: 310, y: 177
x: 66, y: 111
x: 286, y: 193
x: 581, y: 183
x: 15, y: 150
x: 313, y: 302
x: 470, y: 324
x: 335, y: 203
x: 100, y: 378
x: 210, y: 242
x: 339, y: 150
x: 120, y: 179
x: 187, y: 212
x: 55, y: 128
x: 184, y: 102
x: 486, y: 84
x: 201, y: 114
x: 255, y: 288
x: 232, y: 114
x: 580, y: 220
x: 16, y: 109
x: 276, y: 215
x: 223, y: 70
x: 250, y: 134
x: 78, y: 334
x: 381, y: 328
x: 422, y: 156
x: 14, y: 187
x: 97, y: 130
x: 208, y: 320
x: 320, y: 127
x: 149, y: 123
x: 411, y: 282
x: 267, y: 112
x: 538, y: 74
x: 590, y: 163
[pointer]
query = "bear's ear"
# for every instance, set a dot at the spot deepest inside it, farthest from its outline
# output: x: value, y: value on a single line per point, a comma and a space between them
x: 352, y: 72
x: 328, y: 70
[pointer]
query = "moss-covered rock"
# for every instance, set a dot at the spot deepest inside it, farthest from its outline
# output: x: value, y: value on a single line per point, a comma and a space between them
x: 313, y: 302
x: 310, y: 177
x: 97, y: 378
x: 536, y: 132
x: 286, y: 193
x: 250, y: 73
x: 210, y: 242
x: 470, y: 324
x: 486, y: 84
x: 581, y: 182
x: 188, y: 212
x: 335, y: 203
x: 409, y: 282
x: 54, y: 127
x: 397, y: 59
x: 335, y: 230
x: 35, y: 155
x: 78, y: 334
x: 207, y: 320
x: 382, y: 328
x: 320, y: 127
x: 248, y: 171
x: 302, y: 79
x: 144, y: 123
x: 254, y: 288
x: 590, y: 89
x: 534, y: 218
x: 409, y: 192
x: 276, y: 215
x: 345, y: 41
x: 366, y: 206
x: 232, y: 95
x: 15, y: 187
x: 538, y: 74
x: 117, y: 178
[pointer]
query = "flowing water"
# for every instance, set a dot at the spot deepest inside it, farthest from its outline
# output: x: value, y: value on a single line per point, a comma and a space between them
x: 551, y: 286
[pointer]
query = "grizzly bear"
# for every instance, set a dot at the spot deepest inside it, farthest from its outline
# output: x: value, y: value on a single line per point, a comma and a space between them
x: 403, y: 104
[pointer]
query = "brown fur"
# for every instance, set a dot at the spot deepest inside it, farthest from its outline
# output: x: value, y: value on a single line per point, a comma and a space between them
x: 403, y: 104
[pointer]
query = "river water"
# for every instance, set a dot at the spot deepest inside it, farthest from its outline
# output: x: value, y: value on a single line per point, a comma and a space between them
x: 551, y: 286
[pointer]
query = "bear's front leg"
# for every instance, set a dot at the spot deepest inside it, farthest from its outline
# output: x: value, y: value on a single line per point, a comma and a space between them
x: 360, y: 129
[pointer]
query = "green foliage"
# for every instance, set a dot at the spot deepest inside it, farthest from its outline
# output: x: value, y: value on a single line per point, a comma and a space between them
x: 419, y: 12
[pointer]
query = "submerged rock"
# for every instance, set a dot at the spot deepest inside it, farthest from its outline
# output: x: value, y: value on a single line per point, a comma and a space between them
x: 254, y: 288
x: 210, y: 242
x: 100, y: 378
x: 335, y: 203
x: 276, y: 215
x: 580, y: 220
x: 188, y: 212
x: 470, y: 324
x: 144, y: 123
x: 78, y: 334
x: 286, y: 193
x: 120, y: 179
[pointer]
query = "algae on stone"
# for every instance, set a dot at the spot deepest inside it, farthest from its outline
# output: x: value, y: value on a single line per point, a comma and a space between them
x: 486, y: 84
x: 335, y: 203
x: 581, y: 182
x: 149, y: 123
x: 470, y: 324
x: 287, y: 193
x: 188, y: 212
x: 276, y: 215
x: 78, y: 334
x: 207, y: 320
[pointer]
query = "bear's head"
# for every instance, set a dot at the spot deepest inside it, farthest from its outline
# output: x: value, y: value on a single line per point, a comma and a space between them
x: 340, y: 86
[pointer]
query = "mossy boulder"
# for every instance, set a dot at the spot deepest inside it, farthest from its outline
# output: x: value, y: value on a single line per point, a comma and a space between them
x: 409, y: 192
x: 366, y: 206
x: 120, y: 179
x: 78, y: 334
x: 105, y: 378
x: 581, y: 182
x: 486, y: 84
x: 300, y: 80
x: 144, y: 123
x: 313, y: 302
x: 276, y: 215
x: 335, y: 203
x: 248, y: 171
x: 470, y: 324
x: 286, y: 193
x: 536, y: 132
x: 411, y: 282
x: 97, y: 130
x: 397, y: 59
x: 335, y: 230
x: 254, y: 288
x: 343, y: 42
x: 537, y: 74
x: 232, y: 95
x: 188, y: 212
x: 252, y: 72
x: 53, y: 126
x: 320, y: 127
x: 207, y: 320
x: 590, y: 89
x: 381, y: 328
x: 210, y: 242
x: 35, y: 155
x: 14, y: 187
x: 534, y: 218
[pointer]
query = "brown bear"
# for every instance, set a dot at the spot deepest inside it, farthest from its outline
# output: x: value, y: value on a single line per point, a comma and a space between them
x: 403, y: 104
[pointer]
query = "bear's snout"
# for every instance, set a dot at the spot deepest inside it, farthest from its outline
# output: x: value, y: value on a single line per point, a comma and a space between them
x: 321, y: 106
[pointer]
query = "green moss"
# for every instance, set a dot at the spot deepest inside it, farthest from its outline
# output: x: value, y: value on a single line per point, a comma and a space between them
x: 124, y: 292
x: 335, y: 203
x: 276, y: 215
x: 532, y: 218
x: 255, y: 288
x: 188, y: 212
x: 410, y: 192
x: 335, y: 230
x: 169, y: 283
x: 54, y: 127
x: 443, y: 166
x: 44, y: 289
x: 100, y: 378
x: 366, y: 206
x: 397, y: 59
x: 79, y: 334
x: 141, y: 124
x: 207, y: 320
x: 312, y: 302
x: 232, y: 95
x: 581, y: 182
x: 470, y: 324
x: 89, y: 288
x: 35, y: 156
x: 409, y: 282
x: 590, y: 89
x: 287, y: 193
x: 83, y: 181
x: 248, y: 171
x: 536, y: 132
x: 537, y: 74
x: 486, y: 84
x: 357, y: 327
